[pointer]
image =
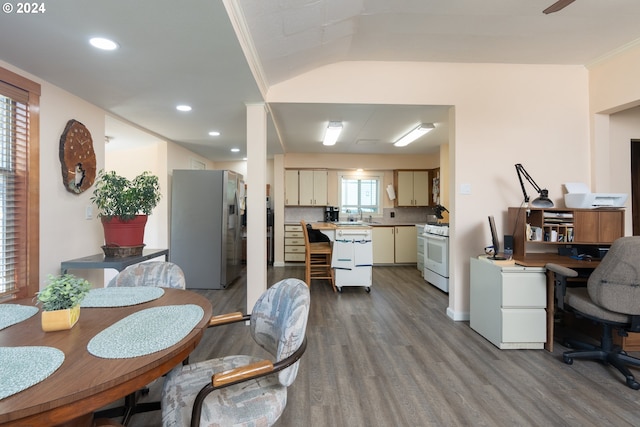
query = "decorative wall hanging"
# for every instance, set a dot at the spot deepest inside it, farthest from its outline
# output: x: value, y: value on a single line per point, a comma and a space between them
x: 77, y: 157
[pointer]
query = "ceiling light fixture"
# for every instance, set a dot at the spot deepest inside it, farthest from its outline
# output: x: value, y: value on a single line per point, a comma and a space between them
x: 332, y: 133
x: 414, y: 134
x: 214, y: 133
x: 235, y: 150
x: 102, y: 43
x: 183, y: 108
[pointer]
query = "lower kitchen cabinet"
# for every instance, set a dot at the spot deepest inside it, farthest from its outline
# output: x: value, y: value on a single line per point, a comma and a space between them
x: 293, y: 243
x: 508, y: 304
x: 383, y: 245
x: 394, y: 245
x: 405, y: 244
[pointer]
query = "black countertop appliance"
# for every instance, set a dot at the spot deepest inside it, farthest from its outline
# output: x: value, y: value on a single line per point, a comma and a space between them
x: 331, y: 214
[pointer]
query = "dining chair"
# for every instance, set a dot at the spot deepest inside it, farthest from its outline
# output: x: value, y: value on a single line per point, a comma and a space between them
x: 151, y: 273
x: 317, y: 259
x: 243, y: 390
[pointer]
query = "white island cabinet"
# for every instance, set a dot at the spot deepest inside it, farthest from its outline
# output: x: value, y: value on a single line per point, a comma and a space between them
x: 508, y: 304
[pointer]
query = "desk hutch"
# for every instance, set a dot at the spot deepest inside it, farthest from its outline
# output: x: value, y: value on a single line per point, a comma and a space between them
x: 564, y: 226
x: 585, y: 227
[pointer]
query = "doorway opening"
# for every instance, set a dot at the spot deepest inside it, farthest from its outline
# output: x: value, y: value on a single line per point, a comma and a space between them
x: 635, y: 186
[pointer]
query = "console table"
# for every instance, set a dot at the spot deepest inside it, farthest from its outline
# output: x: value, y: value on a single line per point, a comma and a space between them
x: 100, y: 261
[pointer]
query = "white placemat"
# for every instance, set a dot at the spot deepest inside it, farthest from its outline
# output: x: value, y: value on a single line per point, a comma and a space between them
x: 145, y: 332
x: 120, y: 297
x: 10, y: 314
x: 23, y: 367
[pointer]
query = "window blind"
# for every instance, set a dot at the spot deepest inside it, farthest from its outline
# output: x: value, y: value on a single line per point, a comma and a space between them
x: 14, y: 126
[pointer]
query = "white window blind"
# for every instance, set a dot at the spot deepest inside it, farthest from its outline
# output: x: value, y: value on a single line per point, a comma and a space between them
x: 14, y: 126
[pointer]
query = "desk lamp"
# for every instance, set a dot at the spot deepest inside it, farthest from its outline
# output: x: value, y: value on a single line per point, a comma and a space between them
x: 438, y: 209
x: 541, y: 202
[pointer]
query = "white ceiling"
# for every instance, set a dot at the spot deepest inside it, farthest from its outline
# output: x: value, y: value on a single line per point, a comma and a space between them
x: 187, y: 52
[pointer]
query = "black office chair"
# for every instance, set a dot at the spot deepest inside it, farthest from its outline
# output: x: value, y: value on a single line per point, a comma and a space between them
x: 612, y: 299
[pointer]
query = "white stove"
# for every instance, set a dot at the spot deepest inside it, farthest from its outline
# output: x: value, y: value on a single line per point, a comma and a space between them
x: 436, y: 255
x: 439, y: 229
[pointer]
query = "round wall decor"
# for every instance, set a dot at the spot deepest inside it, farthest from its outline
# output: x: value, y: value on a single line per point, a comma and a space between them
x: 77, y: 157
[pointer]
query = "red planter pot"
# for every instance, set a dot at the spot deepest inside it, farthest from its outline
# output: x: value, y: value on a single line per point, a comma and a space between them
x: 119, y: 233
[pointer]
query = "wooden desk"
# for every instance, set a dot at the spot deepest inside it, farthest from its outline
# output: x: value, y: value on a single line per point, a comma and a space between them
x: 542, y: 259
x: 102, y: 262
x: 85, y: 383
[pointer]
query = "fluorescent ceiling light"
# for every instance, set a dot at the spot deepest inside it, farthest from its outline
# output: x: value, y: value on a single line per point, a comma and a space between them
x: 414, y: 134
x: 235, y: 150
x: 104, y: 44
x: 214, y: 133
x: 332, y: 133
x: 183, y: 108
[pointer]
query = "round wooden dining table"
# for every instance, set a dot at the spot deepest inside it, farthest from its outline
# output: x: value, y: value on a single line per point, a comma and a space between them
x: 84, y: 382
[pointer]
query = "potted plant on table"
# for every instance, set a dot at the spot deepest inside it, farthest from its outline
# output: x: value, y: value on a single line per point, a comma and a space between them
x: 123, y: 209
x: 60, y: 301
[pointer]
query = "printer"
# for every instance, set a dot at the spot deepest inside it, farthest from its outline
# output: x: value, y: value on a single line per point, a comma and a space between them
x: 578, y: 196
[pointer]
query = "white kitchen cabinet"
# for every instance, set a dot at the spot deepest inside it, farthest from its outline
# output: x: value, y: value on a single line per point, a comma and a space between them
x: 412, y: 188
x: 405, y: 244
x: 293, y: 243
x: 394, y: 245
x: 383, y: 239
x: 508, y: 304
x: 291, y: 187
x: 312, y: 188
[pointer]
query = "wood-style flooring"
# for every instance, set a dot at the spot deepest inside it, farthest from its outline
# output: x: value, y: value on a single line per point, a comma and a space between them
x: 392, y: 357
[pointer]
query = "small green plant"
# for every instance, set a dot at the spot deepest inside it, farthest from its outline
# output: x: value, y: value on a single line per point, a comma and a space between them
x: 116, y: 196
x: 62, y: 292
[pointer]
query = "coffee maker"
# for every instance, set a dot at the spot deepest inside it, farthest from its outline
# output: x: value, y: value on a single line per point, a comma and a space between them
x: 331, y: 214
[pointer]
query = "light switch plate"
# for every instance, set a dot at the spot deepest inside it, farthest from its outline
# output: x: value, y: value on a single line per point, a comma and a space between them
x: 465, y: 188
x: 88, y: 212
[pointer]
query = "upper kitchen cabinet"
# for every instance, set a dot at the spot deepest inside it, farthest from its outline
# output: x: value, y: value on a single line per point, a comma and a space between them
x: 313, y: 188
x: 305, y: 187
x: 291, y: 187
x: 412, y: 187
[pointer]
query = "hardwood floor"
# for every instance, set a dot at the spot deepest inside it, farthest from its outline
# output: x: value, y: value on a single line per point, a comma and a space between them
x: 393, y: 358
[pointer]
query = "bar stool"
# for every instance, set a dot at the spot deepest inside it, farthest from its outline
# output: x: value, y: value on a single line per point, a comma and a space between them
x: 317, y: 259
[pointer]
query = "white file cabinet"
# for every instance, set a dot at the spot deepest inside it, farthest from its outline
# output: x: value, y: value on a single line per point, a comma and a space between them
x: 508, y: 304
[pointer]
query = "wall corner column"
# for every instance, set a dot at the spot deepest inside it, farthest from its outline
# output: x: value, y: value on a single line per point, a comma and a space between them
x: 256, y: 202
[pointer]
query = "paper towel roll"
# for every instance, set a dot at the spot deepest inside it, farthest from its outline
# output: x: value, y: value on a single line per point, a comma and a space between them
x: 391, y: 192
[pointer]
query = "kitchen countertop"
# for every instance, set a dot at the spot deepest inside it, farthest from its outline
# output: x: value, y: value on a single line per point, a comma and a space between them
x: 336, y: 225
x: 321, y: 225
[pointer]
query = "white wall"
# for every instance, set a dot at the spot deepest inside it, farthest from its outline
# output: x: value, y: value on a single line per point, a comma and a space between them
x: 504, y: 114
x: 615, y: 88
x: 131, y: 163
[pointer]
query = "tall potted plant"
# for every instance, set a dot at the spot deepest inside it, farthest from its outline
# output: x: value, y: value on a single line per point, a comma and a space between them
x: 60, y: 301
x: 123, y: 209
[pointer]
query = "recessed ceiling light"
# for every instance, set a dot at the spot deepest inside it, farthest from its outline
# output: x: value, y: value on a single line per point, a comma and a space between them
x: 214, y: 133
x: 183, y: 108
x: 104, y: 44
x: 235, y: 150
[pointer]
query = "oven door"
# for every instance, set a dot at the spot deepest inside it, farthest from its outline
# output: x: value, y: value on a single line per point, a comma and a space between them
x: 436, y: 254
